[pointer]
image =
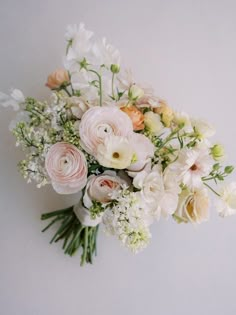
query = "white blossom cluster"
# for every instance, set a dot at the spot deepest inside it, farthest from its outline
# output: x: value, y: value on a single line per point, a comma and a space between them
x: 127, y: 220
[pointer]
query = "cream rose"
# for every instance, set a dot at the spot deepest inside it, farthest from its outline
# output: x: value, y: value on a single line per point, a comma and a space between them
x: 100, y: 122
x: 193, y: 206
x: 99, y: 188
x: 67, y: 168
x: 57, y: 78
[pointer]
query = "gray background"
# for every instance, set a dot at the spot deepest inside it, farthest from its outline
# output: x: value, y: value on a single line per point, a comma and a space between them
x: 186, y: 50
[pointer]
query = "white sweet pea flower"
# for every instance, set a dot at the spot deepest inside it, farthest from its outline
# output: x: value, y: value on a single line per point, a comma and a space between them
x: 193, y: 206
x: 191, y: 165
x: 13, y: 100
x: 18, y: 96
x: 203, y: 128
x: 105, y: 54
x: 226, y: 204
x: 115, y: 152
x: 158, y: 190
x: 80, y: 48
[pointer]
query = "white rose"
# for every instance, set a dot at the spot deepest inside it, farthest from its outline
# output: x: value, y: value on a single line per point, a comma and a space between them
x: 226, y: 205
x: 153, y: 123
x: 193, y: 206
x: 99, y: 188
x: 98, y: 123
x: 159, y: 191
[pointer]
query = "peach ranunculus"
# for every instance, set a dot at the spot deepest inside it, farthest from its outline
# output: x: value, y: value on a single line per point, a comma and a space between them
x: 67, y: 168
x: 100, y: 187
x: 135, y: 115
x: 98, y: 123
x: 57, y: 78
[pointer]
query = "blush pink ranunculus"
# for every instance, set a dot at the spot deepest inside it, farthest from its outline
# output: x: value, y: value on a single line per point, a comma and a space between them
x: 57, y: 78
x: 67, y: 168
x: 98, y: 123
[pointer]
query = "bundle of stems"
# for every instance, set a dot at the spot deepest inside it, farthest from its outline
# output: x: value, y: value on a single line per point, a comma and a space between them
x: 73, y: 233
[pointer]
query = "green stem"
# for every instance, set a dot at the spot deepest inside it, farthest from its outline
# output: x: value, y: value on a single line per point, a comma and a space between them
x: 48, y: 215
x: 212, y: 189
x: 112, y: 85
x: 66, y: 90
x: 85, y: 246
x: 100, y: 84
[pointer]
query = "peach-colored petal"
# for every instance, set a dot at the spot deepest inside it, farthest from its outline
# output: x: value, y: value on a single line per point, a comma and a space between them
x: 57, y: 78
x: 135, y: 115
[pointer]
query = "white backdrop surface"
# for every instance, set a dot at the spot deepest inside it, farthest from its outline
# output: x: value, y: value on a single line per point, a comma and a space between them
x: 187, y: 51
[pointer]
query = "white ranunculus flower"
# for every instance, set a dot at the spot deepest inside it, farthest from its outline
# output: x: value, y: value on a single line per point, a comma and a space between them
x: 226, y: 204
x: 115, y: 152
x: 144, y: 150
x: 193, y: 206
x: 191, y: 165
x: 159, y: 191
x: 153, y: 123
x: 203, y: 128
x: 100, y: 187
x: 98, y: 123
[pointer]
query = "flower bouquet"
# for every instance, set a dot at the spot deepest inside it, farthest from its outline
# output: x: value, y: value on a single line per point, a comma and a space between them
x: 130, y: 157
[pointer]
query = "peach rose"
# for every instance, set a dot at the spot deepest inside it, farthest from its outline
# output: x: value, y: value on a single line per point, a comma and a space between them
x: 98, y: 123
x: 99, y: 188
x: 67, y: 168
x: 135, y: 115
x: 57, y: 78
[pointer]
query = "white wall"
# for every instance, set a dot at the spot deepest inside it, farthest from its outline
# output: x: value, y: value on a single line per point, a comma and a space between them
x: 187, y: 51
